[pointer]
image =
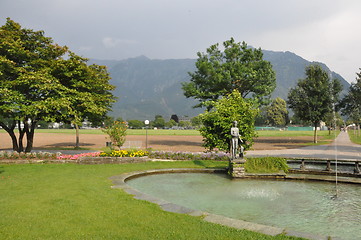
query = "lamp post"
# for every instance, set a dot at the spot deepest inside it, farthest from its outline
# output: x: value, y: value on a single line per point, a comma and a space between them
x: 146, y: 122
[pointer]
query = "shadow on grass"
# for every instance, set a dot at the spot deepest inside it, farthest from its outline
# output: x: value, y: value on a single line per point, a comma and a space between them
x: 200, y: 163
x: 1, y: 170
x: 211, y: 164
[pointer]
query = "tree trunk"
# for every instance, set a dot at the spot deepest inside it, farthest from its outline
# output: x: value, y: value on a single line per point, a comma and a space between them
x: 30, y: 136
x: 10, y: 131
x: 21, y: 135
x: 77, y: 136
x: 315, y: 133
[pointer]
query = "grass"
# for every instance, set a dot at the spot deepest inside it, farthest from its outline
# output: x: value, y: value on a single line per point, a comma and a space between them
x: 266, y: 165
x: 66, y: 201
x: 355, y: 136
x: 324, y: 134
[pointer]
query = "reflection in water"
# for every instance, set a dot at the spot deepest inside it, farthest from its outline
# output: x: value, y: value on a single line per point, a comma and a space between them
x: 296, y: 205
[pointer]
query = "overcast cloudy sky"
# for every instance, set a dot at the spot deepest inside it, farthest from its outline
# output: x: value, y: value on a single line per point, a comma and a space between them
x: 318, y: 30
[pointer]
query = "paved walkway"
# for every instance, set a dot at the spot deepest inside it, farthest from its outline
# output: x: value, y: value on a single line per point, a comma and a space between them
x: 341, y: 148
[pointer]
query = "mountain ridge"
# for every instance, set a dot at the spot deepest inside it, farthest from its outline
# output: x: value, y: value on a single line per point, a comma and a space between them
x: 148, y: 87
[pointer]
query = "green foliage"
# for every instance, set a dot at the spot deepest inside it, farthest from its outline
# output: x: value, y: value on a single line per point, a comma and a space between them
x: 158, y: 122
x: 117, y: 133
x: 217, y: 123
x: 238, y: 67
x: 171, y: 123
x: 135, y: 124
x: 313, y: 98
x: 40, y: 80
x: 266, y: 165
x: 277, y: 113
x: 351, y: 103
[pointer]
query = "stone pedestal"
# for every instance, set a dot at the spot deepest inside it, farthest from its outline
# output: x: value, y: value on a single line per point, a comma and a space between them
x: 236, y: 168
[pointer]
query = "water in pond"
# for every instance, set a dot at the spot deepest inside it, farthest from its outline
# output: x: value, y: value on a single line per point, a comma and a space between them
x: 295, y: 205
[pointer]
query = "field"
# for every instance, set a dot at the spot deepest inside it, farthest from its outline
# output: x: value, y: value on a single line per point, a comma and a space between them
x: 168, y: 140
x: 69, y: 201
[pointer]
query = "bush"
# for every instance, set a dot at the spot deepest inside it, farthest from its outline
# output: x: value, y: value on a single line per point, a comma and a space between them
x: 217, y: 123
x: 117, y: 133
x: 266, y: 165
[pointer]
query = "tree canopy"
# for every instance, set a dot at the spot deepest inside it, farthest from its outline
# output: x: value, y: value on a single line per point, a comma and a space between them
x: 237, y: 67
x: 315, y: 96
x: 351, y: 103
x: 277, y: 113
x: 217, y: 123
x: 40, y: 80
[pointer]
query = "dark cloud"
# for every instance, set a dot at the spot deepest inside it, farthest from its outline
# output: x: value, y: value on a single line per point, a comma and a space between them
x: 118, y: 29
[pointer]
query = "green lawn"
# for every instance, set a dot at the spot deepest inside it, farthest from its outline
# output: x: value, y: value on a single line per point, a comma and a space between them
x: 66, y: 201
x: 354, y: 136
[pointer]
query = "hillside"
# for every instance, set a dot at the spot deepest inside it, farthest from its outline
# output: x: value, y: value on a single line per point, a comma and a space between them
x: 147, y: 87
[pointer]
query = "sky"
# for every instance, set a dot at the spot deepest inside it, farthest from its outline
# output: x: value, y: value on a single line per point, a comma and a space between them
x: 317, y: 30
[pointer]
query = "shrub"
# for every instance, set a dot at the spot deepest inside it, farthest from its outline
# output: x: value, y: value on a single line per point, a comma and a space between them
x: 117, y: 133
x: 266, y: 165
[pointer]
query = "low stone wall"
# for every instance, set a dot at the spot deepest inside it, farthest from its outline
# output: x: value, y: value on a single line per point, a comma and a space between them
x: 81, y: 160
x: 111, y: 160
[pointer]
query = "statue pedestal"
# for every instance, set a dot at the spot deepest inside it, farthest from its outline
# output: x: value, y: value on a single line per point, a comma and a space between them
x: 236, y: 168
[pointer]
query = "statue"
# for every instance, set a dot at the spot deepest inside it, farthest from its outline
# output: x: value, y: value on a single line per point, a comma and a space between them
x: 236, y: 149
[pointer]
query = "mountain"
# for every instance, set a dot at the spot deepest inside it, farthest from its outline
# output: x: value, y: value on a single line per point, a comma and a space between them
x: 148, y: 87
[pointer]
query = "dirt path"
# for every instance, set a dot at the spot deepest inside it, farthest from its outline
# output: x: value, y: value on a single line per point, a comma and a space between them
x: 158, y: 142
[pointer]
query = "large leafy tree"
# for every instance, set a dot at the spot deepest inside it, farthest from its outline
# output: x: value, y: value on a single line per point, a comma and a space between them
x: 237, y: 67
x: 351, y: 103
x: 277, y: 113
x: 40, y: 80
x: 88, y: 90
x: 217, y: 123
x: 314, y: 97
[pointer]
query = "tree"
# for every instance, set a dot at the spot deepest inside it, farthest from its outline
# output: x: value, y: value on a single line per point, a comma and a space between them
x: 158, y: 122
x: 88, y: 90
x: 40, y: 80
x: 314, y: 97
x: 217, y: 122
x: 136, y: 124
x: 171, y: 123
x: 351, y: 103
x: 277, y: 113
x: 238, y: 67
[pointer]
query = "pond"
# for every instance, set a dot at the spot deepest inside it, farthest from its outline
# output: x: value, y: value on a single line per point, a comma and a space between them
x: 301, y: 206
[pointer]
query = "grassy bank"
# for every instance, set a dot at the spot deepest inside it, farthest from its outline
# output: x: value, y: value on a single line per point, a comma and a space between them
x: 68, y: 201
x: 354, y: 136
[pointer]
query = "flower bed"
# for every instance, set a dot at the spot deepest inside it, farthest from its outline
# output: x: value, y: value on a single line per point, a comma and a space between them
x: 132, y: 153
x: 77, y: 156
x: 124, y: 153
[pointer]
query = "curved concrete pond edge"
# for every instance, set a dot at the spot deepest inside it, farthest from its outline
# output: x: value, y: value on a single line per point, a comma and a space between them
x: 119, y: 182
